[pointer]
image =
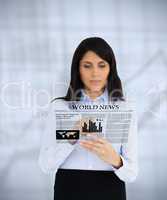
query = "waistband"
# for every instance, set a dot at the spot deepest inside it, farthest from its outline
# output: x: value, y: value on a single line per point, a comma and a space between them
x: 91, y: 175
x: 84, y: 171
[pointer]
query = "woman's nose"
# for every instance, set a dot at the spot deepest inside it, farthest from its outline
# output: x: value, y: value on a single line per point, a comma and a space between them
x: 95, y: 71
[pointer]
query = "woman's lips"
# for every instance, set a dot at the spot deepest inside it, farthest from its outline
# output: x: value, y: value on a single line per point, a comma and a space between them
x: 95, y: 82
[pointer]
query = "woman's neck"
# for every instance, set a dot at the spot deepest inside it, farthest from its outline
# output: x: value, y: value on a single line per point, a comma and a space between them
x: 93, y: 94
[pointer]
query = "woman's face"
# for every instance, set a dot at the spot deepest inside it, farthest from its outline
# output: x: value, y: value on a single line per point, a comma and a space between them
x: 94, y: 71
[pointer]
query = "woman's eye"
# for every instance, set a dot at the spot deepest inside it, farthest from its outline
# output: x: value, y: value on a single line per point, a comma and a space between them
x: 87, y: 66
x: 102, y: 66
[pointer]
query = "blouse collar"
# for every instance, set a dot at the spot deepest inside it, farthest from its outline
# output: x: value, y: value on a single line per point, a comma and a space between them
x: 102, y: 98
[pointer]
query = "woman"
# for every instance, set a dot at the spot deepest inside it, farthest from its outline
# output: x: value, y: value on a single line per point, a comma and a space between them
x: 91, y: 169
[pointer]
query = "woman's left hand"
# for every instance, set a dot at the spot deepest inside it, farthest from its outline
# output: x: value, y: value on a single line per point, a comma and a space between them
x: 102, y: 148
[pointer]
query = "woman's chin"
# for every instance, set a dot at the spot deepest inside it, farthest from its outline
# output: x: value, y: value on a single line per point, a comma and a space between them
x: 96, y: 89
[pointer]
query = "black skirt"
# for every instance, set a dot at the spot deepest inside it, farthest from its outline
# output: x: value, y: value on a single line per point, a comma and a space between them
x: 76, y: 184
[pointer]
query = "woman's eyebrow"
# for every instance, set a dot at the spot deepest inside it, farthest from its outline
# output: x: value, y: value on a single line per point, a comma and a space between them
x: 89, y: 62
x: 102, y: 61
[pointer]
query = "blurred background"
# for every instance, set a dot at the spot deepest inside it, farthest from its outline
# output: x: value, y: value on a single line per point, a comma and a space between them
x: 37, y: 41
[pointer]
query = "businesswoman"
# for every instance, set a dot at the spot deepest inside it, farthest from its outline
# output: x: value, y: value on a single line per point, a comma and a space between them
x: 90, y: 169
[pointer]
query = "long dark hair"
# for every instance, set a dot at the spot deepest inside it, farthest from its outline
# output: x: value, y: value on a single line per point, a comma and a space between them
x: 103, y: 50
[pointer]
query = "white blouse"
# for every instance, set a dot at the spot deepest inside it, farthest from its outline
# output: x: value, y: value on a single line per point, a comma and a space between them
x: 54, y: 155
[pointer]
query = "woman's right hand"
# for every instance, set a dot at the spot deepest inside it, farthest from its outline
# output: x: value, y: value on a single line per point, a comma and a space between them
x: 78, y: 126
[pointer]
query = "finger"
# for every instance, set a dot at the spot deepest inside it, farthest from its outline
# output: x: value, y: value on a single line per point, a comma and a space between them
x: 93, y: 143
x: 93, y: 133
x: 91, y: 148
x: 101, y: 140
x: 84, y: 133
x: 89, y: 135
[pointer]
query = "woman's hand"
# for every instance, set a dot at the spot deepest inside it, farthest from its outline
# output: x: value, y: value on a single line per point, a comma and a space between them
x: 78, y: 126
x: 102, y: 148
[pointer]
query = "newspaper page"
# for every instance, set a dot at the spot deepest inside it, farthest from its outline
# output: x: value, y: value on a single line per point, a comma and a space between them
x: 77, y: 119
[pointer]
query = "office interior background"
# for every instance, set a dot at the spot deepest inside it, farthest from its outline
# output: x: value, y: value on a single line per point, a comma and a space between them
x: 37, y: 41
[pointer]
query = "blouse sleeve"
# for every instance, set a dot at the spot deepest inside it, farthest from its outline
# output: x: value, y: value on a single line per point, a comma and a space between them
x: 129, y: 154
x: 52, y: 153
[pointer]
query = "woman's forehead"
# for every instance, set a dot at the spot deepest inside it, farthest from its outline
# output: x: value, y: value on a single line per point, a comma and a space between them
x: 90, y: 55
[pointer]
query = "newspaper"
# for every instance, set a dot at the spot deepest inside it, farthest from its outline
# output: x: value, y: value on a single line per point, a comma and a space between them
x: 77, y: 120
